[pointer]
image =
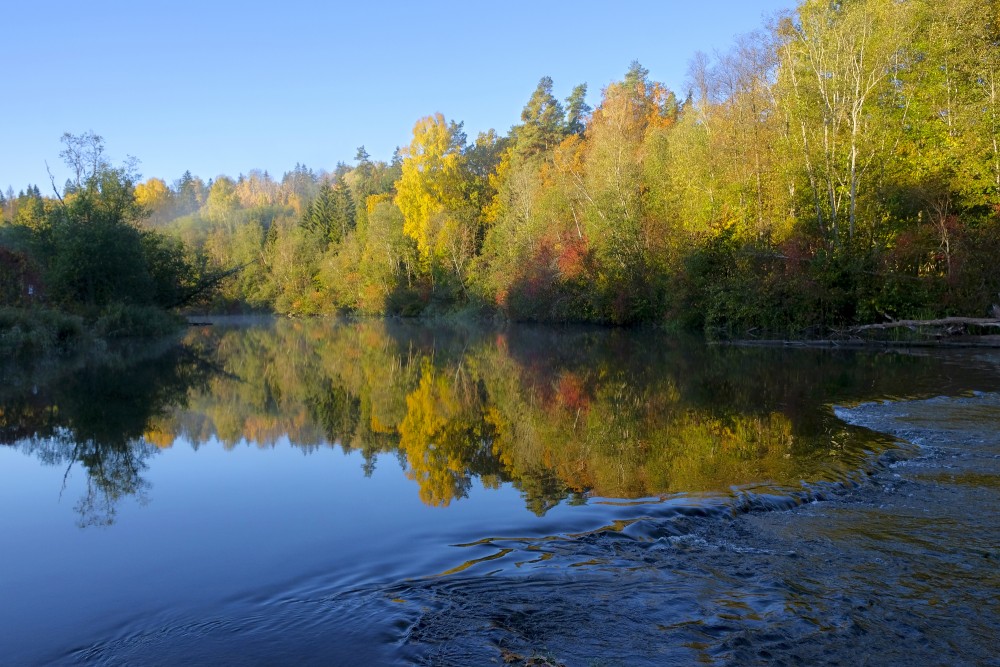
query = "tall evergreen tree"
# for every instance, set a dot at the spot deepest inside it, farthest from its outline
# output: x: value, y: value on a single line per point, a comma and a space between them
x: 543, y: 121
x: 577, y: 110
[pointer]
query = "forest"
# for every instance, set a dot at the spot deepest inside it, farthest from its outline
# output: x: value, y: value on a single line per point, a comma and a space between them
x: 841, y: 166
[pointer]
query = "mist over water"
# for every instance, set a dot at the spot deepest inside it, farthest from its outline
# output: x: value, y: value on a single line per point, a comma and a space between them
x: 381, y: 492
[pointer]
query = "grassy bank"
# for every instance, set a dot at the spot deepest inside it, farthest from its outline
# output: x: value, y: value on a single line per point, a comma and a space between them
x: 43, y: 331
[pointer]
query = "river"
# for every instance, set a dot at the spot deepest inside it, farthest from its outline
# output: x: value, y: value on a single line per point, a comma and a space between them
x: 323, y: 492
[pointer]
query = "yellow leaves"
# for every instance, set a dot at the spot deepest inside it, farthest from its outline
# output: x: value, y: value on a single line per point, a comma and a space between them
x: 493, y: 211
x: 569, y: 155
x: 662, y: 112
x: 372, y: 201
x: 430, y: 184
x: 257, y: 189
x: 160, y: 436
x: 152, y: 194
x: 434, y: 435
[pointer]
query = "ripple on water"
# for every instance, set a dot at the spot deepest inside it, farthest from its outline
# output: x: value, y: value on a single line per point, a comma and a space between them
x: 898, y: 565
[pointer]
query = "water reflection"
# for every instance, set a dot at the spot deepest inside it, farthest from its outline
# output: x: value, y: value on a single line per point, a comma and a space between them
x: 95, y: 412
x: 564, y: 415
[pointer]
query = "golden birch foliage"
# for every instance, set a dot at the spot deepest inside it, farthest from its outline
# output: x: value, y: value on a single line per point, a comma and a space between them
x: 430, y: 183
x: 837, y: 65
x: 612, y: 179
x: 257, y: 189
x: 748, y: 137
x: 153, y: 194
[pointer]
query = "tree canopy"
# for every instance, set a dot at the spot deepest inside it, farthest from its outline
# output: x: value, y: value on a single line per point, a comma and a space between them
x: 840, y: 166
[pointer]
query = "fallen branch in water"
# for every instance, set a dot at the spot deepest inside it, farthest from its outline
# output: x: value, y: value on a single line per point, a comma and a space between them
x: 944, y: 322
x: 944, y: 332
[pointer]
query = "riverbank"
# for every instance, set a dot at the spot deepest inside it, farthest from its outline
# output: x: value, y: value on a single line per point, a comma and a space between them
x: 41, y: 332
x: 950, y: 332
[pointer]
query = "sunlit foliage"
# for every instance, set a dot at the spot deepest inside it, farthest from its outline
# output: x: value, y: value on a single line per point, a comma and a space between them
x: 841, y: 165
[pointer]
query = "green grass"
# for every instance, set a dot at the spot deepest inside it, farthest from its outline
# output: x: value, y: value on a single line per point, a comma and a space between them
x: 44, y: 331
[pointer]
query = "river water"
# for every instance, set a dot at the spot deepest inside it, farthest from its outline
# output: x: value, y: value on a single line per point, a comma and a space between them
x: 321, y: 492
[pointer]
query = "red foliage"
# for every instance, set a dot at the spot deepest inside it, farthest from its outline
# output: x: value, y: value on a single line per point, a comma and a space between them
x: 798, y: 251
x: 572, y: 260
x: 571, y: 392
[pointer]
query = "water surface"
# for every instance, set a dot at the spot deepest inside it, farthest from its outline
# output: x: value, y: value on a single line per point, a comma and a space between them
x: 330, y: 492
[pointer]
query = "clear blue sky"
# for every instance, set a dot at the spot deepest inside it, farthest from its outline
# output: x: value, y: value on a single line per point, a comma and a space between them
x: 225, y: 87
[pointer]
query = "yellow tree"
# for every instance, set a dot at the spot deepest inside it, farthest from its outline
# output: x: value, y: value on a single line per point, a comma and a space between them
x: 257, y: 189
x: 838, y: 63
x: 429, y: 195
x: 606, y: 173
x: 154, y: 197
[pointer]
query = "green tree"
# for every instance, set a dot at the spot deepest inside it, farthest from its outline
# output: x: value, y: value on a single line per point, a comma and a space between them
x: 577, y: 110
x: 543, y: 122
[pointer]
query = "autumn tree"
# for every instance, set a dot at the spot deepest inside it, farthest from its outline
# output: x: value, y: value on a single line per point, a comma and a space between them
x: 606, y: 175
x: 429, y: 194
x: 838, y: 63
x: 155, y: 197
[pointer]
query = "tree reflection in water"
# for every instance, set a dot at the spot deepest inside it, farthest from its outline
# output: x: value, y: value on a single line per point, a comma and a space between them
x: 95, y: 412
x: 564, y: 415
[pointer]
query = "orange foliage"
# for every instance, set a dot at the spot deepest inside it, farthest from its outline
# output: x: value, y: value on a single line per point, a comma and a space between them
x: 571, y: 392
x: 162, y: 438
x: 572, y: 259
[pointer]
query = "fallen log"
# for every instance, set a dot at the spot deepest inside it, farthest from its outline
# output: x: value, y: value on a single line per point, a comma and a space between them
x: 943, y: 322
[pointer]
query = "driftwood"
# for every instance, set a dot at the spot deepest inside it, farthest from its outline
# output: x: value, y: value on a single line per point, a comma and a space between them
x: 944, y: 322
x: 991, y: 342
x: 945, y: 332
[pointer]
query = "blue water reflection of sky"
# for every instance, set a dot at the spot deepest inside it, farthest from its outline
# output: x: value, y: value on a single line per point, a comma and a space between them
x: 219, y: 524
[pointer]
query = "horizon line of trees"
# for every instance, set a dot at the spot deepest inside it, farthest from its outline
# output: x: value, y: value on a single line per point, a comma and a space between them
x: 841, y: 165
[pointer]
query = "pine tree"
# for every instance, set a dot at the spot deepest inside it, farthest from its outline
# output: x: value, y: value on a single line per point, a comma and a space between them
x: 342, y: 212
x: 577, y: 110
x: 543, y: 120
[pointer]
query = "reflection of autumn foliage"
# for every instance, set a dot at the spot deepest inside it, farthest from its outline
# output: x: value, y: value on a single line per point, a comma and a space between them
x: 159, y: 436
x: 571, y: 392
x: 443, y: 434
x: 560, y: 416
x: 629, y: 446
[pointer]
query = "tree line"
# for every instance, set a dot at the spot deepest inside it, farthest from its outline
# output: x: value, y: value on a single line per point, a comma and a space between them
x: 840, y: 166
